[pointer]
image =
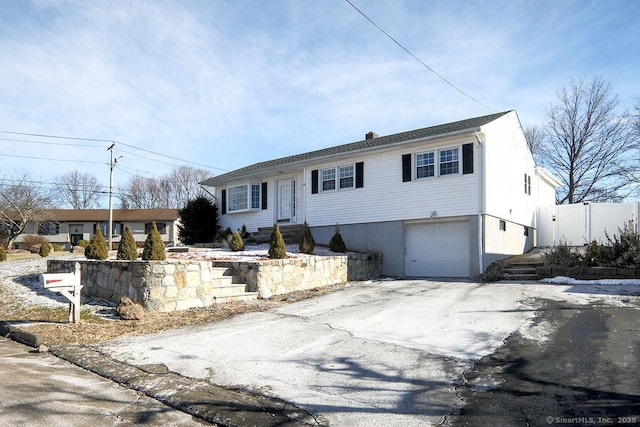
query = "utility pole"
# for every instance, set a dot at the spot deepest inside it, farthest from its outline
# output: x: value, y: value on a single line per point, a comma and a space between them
x: 112, y: 163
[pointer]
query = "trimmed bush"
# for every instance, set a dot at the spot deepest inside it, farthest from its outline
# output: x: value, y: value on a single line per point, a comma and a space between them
x: 57, y: 247
x: 127, y: 249
x: 83, y: 243
x: 336, y: 244
x: 97, y: 247
x: 277, y: 247
x: 307, y: 244
x: 3, y: 254
x: 236, y: 244
x: 153, y: 246
x: 45, y: 249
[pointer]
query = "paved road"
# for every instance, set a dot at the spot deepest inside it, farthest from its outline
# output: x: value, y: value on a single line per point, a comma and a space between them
x: 38, y: 389
x: 586, y: 372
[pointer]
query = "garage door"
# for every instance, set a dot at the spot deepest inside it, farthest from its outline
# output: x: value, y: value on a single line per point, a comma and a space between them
x: 437, y: 249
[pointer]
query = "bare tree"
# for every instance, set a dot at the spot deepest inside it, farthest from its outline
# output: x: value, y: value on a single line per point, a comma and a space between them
x: 22, y: 201
x: 587, y: 144
x: 168, y: 192
x: 535, y: 140
x: 184, y: 181
x: 78, y: 190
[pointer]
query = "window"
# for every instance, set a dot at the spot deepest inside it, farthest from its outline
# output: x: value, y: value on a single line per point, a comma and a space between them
x: 161, y: 226
x: 243, y: 197
x: 346, y: 176
x: 48, y: 228
x: 337, y: 178
x: 527, y: 184
x: 503, y: 225
x: 449, y: 163
x: 425, y: 165
x: 255, y: 196
x: 328, y: 179
x: 116, y: 228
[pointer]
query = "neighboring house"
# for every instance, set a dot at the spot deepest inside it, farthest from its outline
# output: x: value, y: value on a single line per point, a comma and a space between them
x: 443, y: 201
x: 68, y: 226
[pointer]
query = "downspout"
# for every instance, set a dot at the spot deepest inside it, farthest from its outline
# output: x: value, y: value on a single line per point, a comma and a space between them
x: 304, y: 194
x: 481, y: 206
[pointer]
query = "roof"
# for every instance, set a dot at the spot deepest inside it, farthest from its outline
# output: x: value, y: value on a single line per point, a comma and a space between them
x: 364, y: 145
x: 129, y: 215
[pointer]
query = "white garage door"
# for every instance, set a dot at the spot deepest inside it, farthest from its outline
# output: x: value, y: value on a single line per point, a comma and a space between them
x: 437, y: 249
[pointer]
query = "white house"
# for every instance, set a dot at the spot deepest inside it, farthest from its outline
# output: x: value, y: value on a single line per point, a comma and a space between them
x: 442, y: 201
x: 67, y: 227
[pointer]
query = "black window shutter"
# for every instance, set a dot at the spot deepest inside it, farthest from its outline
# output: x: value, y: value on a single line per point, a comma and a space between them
x: 359, y: 174
x: 467, y: 158
x: 314, y: 181
x: 223, y: 202
x: 263, y: 194
x: 406, y: 167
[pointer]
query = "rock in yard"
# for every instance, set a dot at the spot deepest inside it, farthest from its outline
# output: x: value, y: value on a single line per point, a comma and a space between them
x: 130, y: 310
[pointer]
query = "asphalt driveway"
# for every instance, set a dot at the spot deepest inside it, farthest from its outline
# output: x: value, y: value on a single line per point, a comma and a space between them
x: 376, y: 353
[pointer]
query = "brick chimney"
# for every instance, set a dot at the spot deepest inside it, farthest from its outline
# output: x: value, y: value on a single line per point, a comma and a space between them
x: 371, y: 135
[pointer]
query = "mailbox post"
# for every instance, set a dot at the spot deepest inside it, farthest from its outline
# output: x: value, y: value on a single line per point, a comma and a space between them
x: 67, y: 284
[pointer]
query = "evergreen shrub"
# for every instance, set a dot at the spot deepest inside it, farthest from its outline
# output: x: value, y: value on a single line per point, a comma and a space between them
x: 236, y: 244
x: 3, y: 254
x: 97, y: 247
x: 277, y: 247
x: 45, y: 249
x: 307, y: 244
x: 336, y: 244
x: 154, y: 249
x: 127, y: 249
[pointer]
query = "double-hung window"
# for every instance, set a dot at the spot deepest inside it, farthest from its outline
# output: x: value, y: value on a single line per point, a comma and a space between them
x: 449, y: 161
x: 339, y: 177
x: 346, y: 176
x: 243, y: 197
x: 425, y: 165
x: 328, y: 179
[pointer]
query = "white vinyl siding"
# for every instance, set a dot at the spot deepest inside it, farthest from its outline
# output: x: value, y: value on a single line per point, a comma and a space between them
x: 384, y: 197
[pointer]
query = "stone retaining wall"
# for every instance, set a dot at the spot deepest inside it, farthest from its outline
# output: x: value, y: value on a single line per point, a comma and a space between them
x: 158, y: 285
x: 177, y: 285
x: 281, y: 276
x: 589, y: 273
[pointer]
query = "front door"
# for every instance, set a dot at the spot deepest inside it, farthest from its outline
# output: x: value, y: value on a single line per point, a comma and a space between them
x: 284, y: 198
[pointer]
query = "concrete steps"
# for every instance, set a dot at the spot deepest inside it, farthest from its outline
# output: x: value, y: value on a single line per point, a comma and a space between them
x: 521, y: 271
x: 223, y: 288
x: 290, y: 233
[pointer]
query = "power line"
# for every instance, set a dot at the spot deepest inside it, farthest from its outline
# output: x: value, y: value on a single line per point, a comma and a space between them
x: 418, y: 59
x: 50, y: 143
x: 112, y: 141
x: 52, y: 160
x: 55, y: 136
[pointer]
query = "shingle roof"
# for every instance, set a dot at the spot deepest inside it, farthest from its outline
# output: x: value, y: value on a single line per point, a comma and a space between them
x: 129, y: 215
x: 366, y: 144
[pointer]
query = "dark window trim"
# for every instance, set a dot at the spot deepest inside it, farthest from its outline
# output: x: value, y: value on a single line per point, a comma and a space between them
x: 406, y: 167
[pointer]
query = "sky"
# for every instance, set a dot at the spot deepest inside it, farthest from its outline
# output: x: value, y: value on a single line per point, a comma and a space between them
x: 221, y: 84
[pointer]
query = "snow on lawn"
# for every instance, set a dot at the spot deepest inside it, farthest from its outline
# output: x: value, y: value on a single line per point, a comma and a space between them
x: 562, y: 280
x: 251, y: 253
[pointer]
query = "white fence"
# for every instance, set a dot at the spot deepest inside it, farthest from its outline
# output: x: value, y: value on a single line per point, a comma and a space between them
x: 582, y: 223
